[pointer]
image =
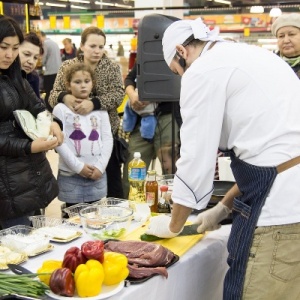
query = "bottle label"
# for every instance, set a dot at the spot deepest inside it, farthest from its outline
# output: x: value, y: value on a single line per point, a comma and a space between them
x: 138, y: 173
x: 150, y: 198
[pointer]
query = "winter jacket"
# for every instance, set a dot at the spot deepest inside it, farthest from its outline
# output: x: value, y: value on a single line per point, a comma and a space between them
x: 26, y: 179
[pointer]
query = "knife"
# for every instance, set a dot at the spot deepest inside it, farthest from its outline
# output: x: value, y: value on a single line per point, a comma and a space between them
x: 187, y: 230
x: 19, y: 270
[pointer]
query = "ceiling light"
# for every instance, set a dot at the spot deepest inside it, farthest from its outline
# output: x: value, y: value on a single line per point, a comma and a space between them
x: 112, y: 4
x: 256, y: 9
x: 223, y: 2
x: 275, y: 12
x: 80, y: 1
x: 55, y: 4
x: 78, y: 7
x: 104, y: 3
x: 121, y: 5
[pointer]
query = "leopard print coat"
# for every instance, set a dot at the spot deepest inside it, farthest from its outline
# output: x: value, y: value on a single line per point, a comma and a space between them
x: 109, y: 87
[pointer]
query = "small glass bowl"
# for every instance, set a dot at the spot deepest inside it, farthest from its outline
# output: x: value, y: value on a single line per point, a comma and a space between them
x: 106, y: 222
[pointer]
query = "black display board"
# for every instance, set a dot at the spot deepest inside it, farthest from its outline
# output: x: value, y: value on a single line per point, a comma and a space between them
x: 155, y: 80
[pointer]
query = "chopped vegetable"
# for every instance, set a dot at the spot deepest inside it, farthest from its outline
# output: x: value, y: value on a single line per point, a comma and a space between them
x: 93, y: 250
x: 73, y: 258
x: 89, y: 278
x: 149, y: 238
x: 48, y: 266
x: 24, y: 285
x: 115, y: 268
x: 62, y: 282
x: 106, y: 234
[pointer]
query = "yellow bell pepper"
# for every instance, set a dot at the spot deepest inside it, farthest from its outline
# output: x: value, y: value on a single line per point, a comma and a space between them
x: 89, y: 278
x: 48, y: 266
x: 115, y: 268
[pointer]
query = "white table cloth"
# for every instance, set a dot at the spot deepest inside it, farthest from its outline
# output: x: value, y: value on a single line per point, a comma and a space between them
x: 198, y: 275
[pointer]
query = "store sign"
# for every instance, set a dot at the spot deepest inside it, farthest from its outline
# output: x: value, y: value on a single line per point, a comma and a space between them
x: 67, y: 22
x: 52, y: 20
x: 86, y: 19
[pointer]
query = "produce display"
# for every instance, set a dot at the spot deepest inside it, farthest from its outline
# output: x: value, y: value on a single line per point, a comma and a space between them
x: 85, y: 270
x: 47, y: 268
x: 96, y: 269
x: 24, y: 285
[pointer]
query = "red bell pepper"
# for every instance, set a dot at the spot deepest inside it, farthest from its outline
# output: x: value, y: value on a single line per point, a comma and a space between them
x: 73, y: 258
x: 93, y: 250
x: 62, y: 282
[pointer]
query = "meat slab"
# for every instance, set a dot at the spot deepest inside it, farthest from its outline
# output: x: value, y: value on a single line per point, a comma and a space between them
x: 144, y: 258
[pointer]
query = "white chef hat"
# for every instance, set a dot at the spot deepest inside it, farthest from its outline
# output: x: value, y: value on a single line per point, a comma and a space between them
x: 178, y: 32
x: 286, y: 20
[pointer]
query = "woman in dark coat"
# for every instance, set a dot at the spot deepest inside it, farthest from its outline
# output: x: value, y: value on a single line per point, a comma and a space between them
x: 26, y: 179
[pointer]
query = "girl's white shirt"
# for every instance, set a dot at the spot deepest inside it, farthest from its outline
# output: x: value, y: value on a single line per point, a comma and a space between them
x: 93, y: 151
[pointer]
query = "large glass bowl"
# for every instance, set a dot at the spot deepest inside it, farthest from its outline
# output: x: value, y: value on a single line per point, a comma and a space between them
x: 106, y: 222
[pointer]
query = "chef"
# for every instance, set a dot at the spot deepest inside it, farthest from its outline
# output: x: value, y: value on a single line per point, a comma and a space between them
x: 244, y: 100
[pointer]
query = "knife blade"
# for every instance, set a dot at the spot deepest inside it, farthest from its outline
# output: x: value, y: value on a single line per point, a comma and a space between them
x: 187, y: 230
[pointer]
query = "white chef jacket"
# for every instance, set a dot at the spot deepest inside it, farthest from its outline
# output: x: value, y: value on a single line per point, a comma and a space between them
x: 101, y: 148
x: 245, y: 98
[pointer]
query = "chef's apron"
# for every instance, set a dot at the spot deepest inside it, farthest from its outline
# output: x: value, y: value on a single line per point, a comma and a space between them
x: 254, y: 183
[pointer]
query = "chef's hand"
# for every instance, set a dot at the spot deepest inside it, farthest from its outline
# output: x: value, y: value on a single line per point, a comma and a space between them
x: 210, y: 219
x: 159, y: 226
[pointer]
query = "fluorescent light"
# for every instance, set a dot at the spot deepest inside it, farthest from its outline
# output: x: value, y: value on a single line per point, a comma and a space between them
x: 275, y: 12
x: 76, y: 1
x: 104, y: 3
x: 223, y: 2
x: 112, y: 4
x: 257, y: 9
x: 55, y: 4
x: 80, y: 1
x: 78, y: 7
x: 121, y: 5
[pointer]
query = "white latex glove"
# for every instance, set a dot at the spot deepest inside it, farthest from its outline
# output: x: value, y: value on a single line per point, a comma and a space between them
x: 159, y: 226
x: 211, y: 218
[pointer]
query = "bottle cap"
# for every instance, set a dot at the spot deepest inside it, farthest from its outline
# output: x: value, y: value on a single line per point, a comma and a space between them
x: 137, y: 155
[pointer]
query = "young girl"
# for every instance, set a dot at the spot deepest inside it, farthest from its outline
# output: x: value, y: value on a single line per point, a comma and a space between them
x: 81, y: 175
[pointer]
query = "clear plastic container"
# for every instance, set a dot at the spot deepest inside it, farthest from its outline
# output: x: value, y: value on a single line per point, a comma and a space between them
x: 24, y: 239
x: 106, y: 222
x: 73, y: 210
x: 44, y: 221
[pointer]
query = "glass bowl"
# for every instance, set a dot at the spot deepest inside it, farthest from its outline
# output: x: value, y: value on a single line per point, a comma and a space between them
x: 106, y: 222
x: 73, y: 211
x: 111, y: 201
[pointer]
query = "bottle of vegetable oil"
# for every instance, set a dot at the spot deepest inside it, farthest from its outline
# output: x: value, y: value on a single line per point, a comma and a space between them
x: 136, y: 177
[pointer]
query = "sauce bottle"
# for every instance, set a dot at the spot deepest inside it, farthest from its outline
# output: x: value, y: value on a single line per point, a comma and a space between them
x: 152, y: 191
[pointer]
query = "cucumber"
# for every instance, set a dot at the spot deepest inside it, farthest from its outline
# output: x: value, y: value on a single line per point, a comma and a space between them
x: 149, y: 238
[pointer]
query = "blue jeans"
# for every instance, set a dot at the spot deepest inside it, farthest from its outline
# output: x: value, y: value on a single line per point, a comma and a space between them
x: 77, y: 189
